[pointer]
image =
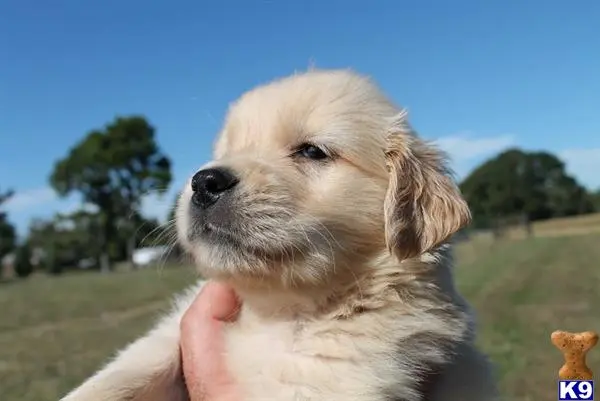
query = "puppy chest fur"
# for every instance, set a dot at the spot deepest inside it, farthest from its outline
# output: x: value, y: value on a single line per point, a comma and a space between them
x: 308, y: 360
x: 386, y: 350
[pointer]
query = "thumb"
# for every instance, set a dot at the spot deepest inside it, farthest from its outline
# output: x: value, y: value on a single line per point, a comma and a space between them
x: 203, y: 343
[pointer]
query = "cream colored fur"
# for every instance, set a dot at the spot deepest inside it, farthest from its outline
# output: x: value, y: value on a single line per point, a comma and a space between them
x: 343, y: 265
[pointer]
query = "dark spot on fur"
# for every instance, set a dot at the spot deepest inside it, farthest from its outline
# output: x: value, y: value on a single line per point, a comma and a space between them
x: 431, y: 353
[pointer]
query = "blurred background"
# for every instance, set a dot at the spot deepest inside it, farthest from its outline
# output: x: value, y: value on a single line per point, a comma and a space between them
x: 107, y: 107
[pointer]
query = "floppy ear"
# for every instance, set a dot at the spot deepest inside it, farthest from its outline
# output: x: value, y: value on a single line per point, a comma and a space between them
x: 423, y: 206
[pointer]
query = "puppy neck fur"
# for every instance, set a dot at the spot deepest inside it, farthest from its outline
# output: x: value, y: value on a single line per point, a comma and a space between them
x: 381, y: 282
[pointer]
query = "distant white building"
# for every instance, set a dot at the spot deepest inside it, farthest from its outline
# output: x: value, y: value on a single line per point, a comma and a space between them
x: 149, y: 255
x: 7, y: 266
x: 7, y: 263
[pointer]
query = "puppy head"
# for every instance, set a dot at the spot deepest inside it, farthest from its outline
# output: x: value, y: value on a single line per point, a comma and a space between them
x: 314, y: 174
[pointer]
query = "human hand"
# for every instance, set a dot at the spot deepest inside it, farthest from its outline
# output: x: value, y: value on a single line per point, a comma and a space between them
x: 203, y: 344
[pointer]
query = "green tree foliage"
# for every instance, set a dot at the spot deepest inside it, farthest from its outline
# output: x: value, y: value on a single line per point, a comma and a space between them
x: 113, y: 168
x: 71, y: 240
x: 23, y: 266
x: 148, y: 232
x: 8, y: 235
x: 596, y: 200
x: 515, y: 182
x: 67, y: 240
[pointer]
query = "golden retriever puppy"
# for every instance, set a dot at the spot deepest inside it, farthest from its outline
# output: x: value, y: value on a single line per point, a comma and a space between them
x: 331, y: 219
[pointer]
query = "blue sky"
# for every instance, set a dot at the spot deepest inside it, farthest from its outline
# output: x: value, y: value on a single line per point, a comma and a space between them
x: 477, y: 76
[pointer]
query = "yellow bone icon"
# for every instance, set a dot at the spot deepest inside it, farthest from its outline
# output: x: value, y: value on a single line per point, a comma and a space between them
x: 574, y: 347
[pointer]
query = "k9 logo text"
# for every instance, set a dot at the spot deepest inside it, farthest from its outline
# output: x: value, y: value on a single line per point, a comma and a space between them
x: 576, y: 390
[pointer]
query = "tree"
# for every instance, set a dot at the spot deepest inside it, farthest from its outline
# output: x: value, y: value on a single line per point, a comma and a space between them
x: 23, y: 266
x: 70, y: 240
x: 596, y: 200
x: 532, y: 184
x: 8, y: 235
x: 67, y: 240
x: 113, y: 168
x: 147, y: 232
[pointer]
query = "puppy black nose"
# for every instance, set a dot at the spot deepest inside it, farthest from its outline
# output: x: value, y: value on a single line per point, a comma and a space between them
x: 209, y: 184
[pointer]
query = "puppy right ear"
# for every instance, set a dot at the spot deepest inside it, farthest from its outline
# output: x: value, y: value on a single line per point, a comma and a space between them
x: 423, y: 206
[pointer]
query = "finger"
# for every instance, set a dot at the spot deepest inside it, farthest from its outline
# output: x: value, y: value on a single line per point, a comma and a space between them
x: 216, y: 301
x: 202, y: 340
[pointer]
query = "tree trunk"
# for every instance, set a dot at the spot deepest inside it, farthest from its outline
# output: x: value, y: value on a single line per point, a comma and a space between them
x: 528, y: 225
x: 496, y: 228
x: 105, y: 266
x: 130, y: 249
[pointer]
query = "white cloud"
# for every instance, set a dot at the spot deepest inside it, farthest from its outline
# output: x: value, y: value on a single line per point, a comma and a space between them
x: 25, y: 200
x: 463, y: 148
x: 466, y: 150
x: 43, y: 203
x: 33, y: 203
x: 584, y: 164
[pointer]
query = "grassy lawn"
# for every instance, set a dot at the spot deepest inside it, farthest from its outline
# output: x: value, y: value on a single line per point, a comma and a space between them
x: 524, y: 290
x: 56, y: 331
x: 577, y: 225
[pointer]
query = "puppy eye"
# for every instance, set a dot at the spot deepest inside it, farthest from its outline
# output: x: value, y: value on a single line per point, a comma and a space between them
x: 312, y: 152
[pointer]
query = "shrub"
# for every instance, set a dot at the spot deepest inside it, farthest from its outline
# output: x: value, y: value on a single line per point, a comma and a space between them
x: 23, y: 266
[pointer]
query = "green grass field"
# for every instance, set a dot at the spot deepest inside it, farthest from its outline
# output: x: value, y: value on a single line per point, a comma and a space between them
x: 56, y: 331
